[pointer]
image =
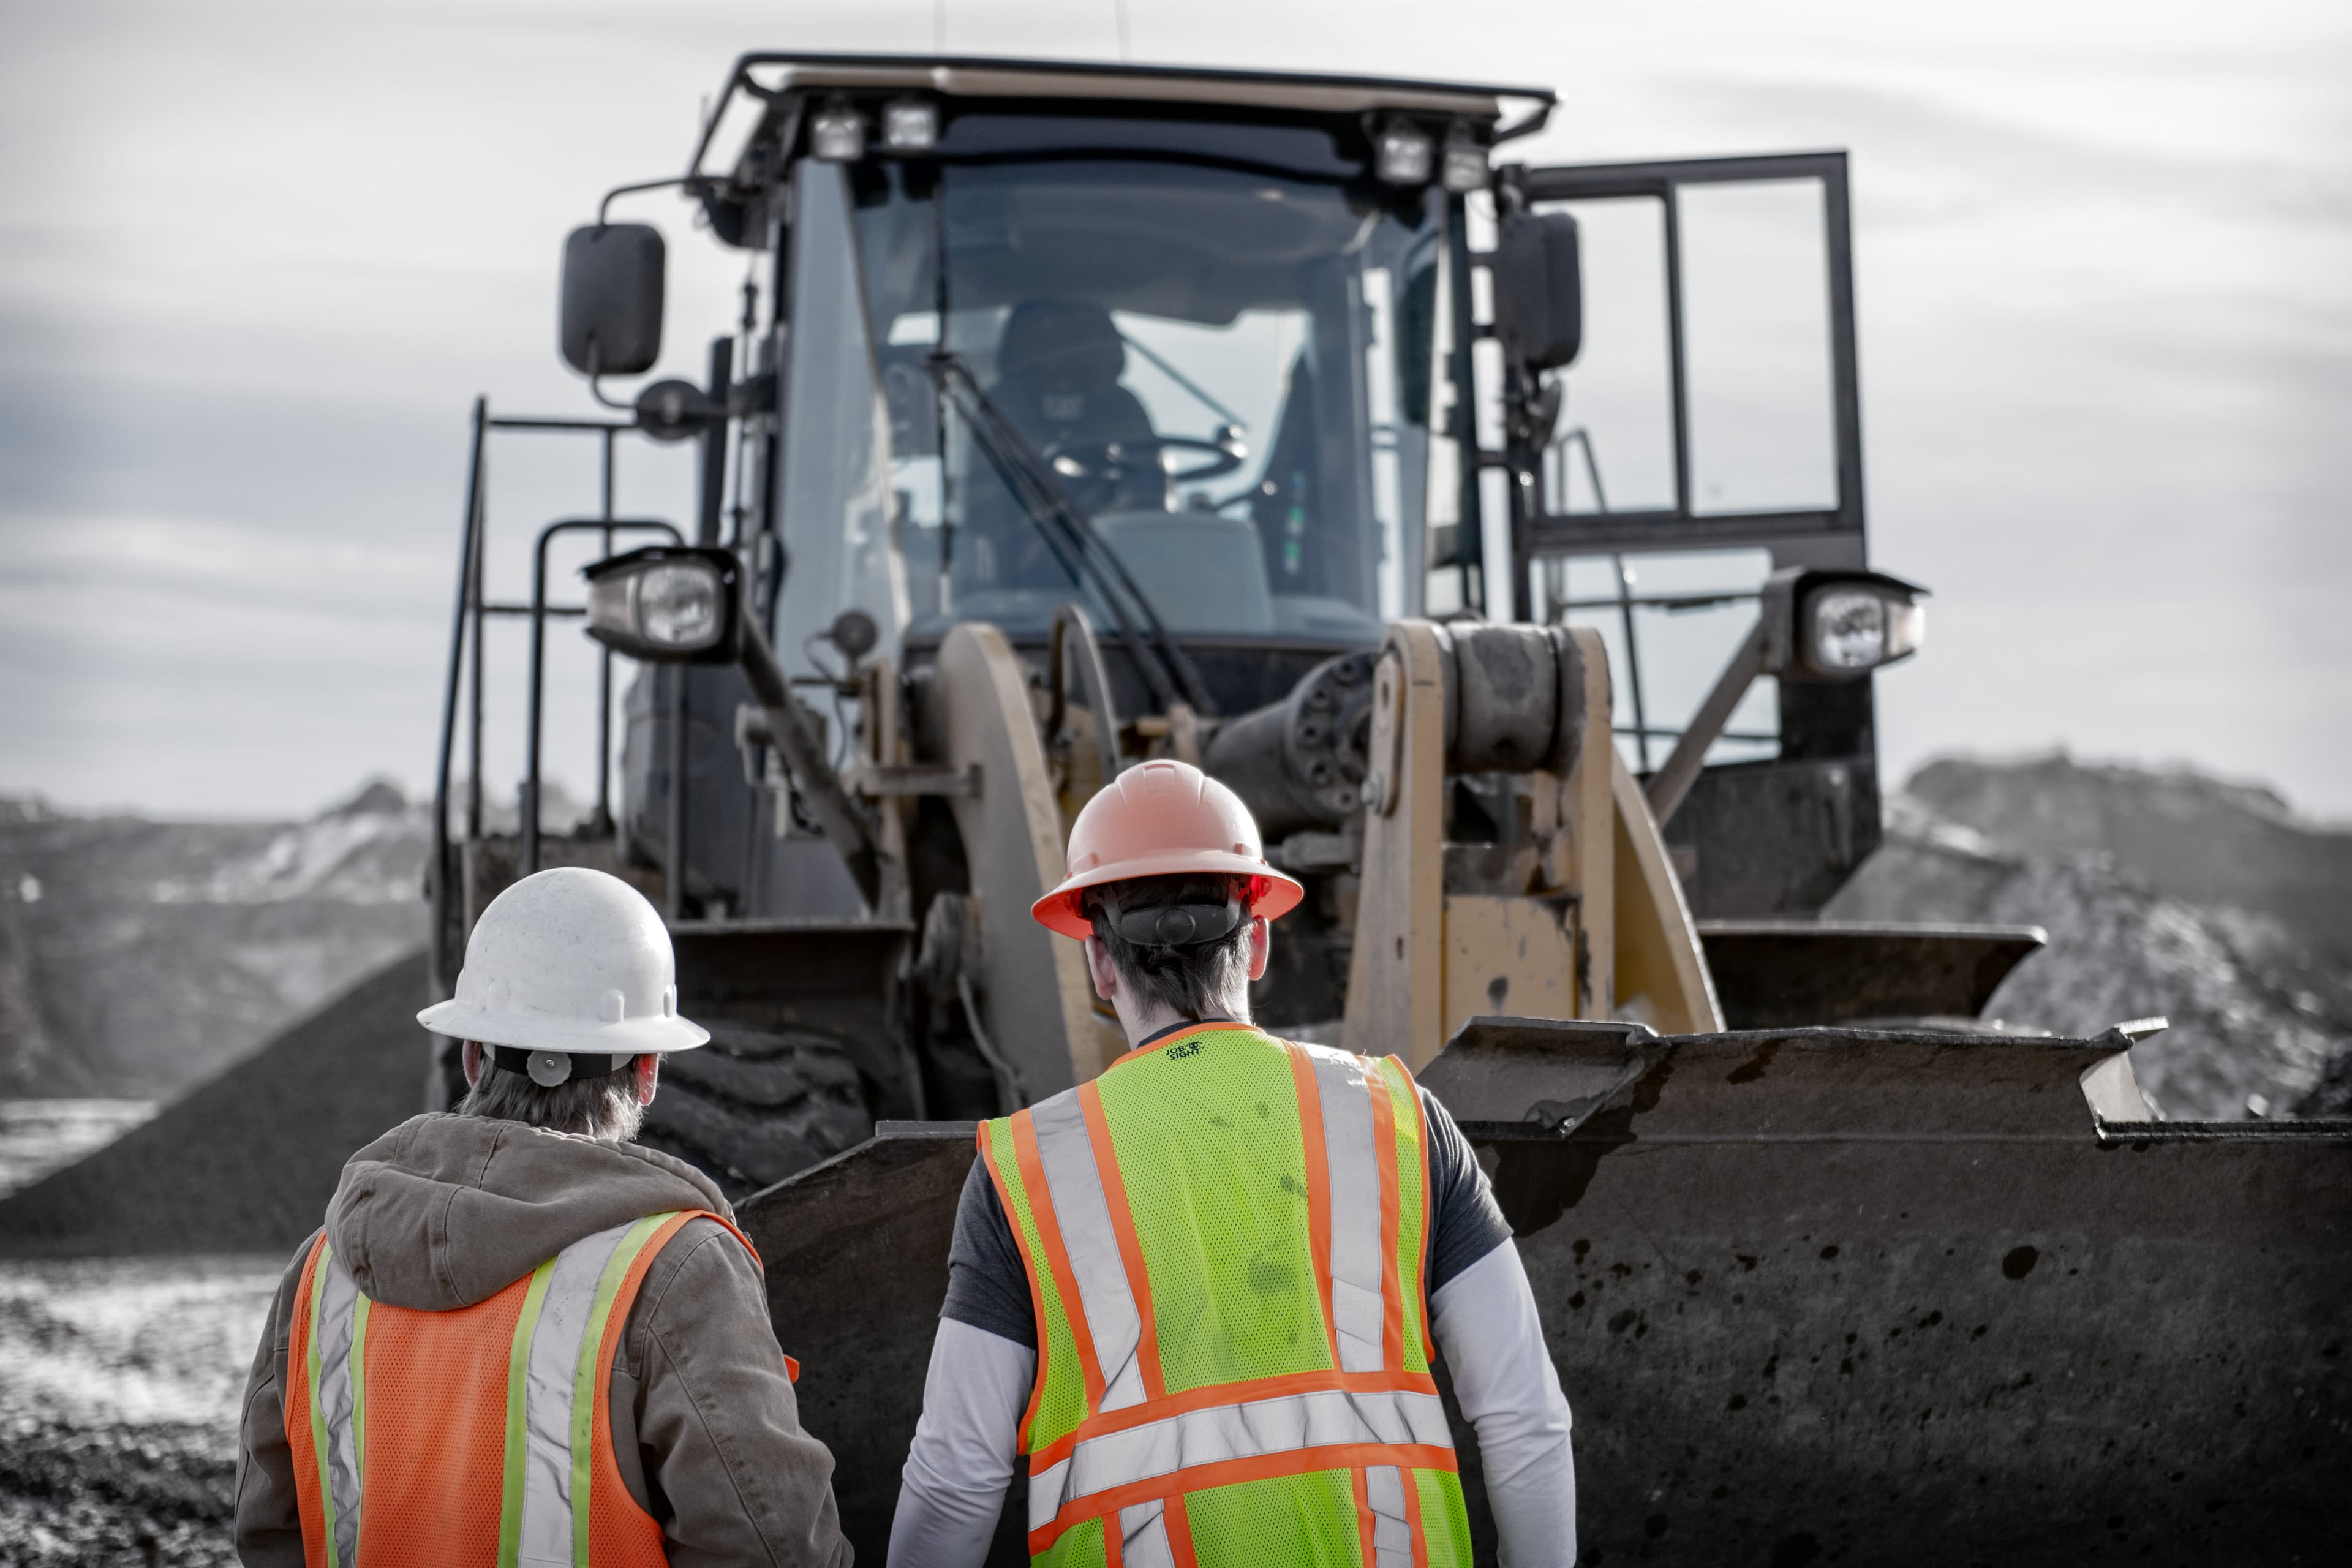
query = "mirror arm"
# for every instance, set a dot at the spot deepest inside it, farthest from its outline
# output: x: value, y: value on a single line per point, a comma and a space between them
x: 603, y: 207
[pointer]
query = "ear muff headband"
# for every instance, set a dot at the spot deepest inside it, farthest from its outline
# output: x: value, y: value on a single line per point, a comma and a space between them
x: 1177, y: 925
x: 549, y: 1068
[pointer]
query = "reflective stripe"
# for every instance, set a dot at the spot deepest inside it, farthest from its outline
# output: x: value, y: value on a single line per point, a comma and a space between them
x: 511, y: 1487
x: 1391, y: 1531
x: 1074, y: 1188
x: 622, y: 1253
x: 1143, y: 1536
x: 1245, y: 1430
x: 333, y: 1295
x: 357, y: 1362
x: 549, y: 1378
x: 1346, y: 1090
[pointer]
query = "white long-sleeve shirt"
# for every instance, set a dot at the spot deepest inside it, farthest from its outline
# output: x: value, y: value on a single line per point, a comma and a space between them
x: 1484, y: 1320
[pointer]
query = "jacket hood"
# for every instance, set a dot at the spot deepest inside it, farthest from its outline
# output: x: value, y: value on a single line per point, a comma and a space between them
x: 447, y: 1211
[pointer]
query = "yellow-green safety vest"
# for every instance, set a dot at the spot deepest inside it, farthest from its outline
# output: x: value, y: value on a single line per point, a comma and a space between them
x: 1226, y: 1236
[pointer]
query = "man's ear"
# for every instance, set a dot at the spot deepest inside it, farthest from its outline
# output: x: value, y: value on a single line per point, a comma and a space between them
x: 649, y: 1073
x: 472, y: 1056
x: 1105, y: 972
x: 1261, y: 944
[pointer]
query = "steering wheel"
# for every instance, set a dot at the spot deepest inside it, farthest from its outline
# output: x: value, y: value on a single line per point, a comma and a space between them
x: 1114, y: 460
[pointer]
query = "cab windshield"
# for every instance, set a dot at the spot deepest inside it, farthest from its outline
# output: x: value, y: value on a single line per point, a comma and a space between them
x: 1216, y: 338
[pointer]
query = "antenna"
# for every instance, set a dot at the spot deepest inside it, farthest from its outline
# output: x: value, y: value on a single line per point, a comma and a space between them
x: 1118, y: 13
x: 939, y: 27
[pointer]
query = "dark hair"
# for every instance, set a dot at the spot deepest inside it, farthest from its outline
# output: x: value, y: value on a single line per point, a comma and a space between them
x: 1190, y: 980
x: 602, y: 1107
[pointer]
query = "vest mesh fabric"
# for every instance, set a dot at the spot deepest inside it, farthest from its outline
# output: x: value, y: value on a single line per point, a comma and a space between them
x: 1233, y: 1283
x: 1277, y: 1523
x: 457, y: 1415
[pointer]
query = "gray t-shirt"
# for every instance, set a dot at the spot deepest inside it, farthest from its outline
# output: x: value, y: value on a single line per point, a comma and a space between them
x: 988, y: 1288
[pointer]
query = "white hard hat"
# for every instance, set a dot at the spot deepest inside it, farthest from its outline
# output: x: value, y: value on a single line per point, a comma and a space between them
x: 567, y: 960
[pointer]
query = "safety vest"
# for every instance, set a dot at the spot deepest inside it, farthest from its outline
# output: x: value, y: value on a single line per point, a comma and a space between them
x: 480, y: 1436
x: 1224, y: 1236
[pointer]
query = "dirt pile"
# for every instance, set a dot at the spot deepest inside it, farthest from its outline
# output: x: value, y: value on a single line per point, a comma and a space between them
x: 2163, y: 892
x: 138, y: 958
x: 247, y: 1162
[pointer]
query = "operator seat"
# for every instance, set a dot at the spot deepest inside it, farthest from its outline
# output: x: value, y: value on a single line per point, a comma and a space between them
x: 1057, y: 369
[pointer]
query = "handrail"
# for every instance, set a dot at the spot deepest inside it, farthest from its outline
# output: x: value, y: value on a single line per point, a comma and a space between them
x: 439, y: 957
x: 609, y: 526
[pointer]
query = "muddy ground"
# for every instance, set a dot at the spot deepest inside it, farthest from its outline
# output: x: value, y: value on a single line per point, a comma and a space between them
x: 119, y: 1380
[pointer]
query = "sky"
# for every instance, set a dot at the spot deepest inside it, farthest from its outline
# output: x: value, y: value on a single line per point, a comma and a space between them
x: 257, y: 260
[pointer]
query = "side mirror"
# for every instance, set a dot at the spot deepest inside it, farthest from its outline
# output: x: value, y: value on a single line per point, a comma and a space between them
x: 1540, y: 289
x: 666, y: 603
x: 612, y: 318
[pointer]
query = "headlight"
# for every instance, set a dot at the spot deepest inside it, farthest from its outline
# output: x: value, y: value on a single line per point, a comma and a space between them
x: 665, y: 604
x: 1839, y: 625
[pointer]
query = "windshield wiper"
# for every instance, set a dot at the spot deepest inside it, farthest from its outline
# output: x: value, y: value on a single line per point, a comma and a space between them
x: 1070, y: 535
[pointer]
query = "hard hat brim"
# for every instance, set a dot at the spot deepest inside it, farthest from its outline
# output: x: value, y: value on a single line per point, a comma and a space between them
x: 535, y: 1031
x: 1272, y: 894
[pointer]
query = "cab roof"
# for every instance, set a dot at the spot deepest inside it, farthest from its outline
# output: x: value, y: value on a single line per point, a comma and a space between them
x: 764, y: 76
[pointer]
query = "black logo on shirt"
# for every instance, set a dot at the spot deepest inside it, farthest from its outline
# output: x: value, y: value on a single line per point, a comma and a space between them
x: 1188, y: 1048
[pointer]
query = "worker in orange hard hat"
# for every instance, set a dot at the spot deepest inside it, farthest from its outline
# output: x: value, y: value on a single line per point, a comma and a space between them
x: 1203, y: 1292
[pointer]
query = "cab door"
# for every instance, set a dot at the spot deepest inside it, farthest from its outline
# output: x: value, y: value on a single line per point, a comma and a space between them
x: 1708, y: 432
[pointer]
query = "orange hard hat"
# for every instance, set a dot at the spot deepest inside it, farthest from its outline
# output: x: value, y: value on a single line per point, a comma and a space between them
x: 1161, y: 819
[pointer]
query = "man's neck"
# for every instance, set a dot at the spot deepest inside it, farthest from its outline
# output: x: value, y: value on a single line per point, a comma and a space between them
x: 1141, y: 1032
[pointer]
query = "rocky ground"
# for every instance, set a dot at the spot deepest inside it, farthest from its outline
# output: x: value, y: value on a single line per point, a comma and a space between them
x: 119, y: 1387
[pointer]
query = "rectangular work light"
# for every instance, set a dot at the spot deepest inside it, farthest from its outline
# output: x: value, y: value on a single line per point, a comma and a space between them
x: 837, y: 134
x: 910, y: 125
x: 1402, y: 154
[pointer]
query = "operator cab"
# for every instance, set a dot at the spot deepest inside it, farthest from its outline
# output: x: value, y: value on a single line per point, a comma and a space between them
x: 1208, y: 321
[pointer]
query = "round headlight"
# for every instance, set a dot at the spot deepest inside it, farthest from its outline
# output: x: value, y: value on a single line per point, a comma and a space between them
x: 678, y: 605
x: 1847, y: 630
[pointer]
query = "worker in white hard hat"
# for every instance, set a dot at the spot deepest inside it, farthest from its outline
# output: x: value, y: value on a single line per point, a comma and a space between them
x: 520, y: 1337
x: 1204, y: 1293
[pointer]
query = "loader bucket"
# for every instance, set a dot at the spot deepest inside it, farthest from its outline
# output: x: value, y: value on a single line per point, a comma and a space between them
x: 1867, y: 1295
x: 1813, y: 1294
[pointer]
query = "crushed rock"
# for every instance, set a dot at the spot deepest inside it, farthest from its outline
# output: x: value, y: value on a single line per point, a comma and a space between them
x: 2238, y: 951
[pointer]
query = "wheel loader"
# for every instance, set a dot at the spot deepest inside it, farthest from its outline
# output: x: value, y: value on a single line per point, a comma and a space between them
x: 1497, y: 531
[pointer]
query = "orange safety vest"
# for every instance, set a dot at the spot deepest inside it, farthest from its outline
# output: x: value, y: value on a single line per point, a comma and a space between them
x: 475, y: 1437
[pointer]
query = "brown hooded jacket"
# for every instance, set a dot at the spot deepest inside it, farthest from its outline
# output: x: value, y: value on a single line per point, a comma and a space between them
x: 446, y: 1211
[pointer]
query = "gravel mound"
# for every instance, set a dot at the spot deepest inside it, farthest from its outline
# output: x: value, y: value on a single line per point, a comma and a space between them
x: 2163, y: 892
x: 248, y: 1162
x: 140, y: 957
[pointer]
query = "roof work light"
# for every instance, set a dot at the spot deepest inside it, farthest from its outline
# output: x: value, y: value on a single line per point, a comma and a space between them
x: 1402, y: 154
x: 910, y: 125
x: 1463, y: 168
x: 838, y: 134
